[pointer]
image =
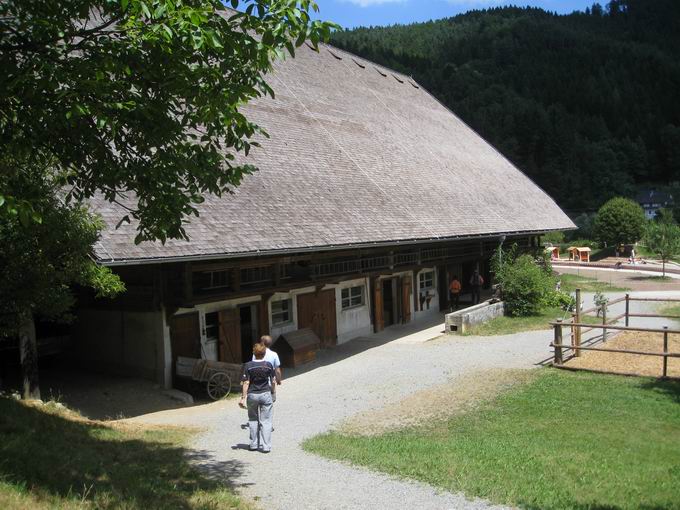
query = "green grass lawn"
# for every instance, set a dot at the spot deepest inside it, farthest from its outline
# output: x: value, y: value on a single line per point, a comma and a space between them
x: 508, y: 325
x: 571, y: 282
x: 54, y: 459
x: 564, y: 440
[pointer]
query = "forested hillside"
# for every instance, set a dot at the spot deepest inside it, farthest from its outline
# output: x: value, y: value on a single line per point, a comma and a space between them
x: 587, y: 104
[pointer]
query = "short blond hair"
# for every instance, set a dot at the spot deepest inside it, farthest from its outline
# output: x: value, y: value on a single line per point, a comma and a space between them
x: 259, y: 350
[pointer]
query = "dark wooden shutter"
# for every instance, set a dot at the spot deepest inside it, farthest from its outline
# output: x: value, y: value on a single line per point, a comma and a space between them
x: 230, y: 336
x: 185, y: 337
x: 406, y: 292
x: 378, y: 319
x: 316, y: 311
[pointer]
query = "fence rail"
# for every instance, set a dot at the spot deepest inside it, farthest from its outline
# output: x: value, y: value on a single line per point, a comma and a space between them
x: 578, y: 328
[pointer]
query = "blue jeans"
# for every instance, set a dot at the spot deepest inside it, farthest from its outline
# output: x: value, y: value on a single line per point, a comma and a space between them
x: 260, y: 420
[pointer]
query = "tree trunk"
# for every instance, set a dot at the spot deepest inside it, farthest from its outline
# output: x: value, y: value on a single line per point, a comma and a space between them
x: 29, y: 359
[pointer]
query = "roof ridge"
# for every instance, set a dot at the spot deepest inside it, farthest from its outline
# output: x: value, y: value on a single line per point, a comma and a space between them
x: 330, y: 47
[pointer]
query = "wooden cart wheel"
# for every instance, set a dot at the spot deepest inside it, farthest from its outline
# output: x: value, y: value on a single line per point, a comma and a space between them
x: 219, y: 385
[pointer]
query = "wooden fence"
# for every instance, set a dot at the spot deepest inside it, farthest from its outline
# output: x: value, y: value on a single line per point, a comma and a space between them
x: 578, y: 328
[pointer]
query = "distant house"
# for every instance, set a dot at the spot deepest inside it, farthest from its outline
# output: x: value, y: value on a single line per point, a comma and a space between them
x: 370, y: 195
x: 652, y: 200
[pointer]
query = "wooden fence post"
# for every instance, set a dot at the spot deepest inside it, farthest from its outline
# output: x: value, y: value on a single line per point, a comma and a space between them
x: 557, y: 342
x: 627, y: 308
x: 577, y: 342
x: 665, y: 351
x: 604, y: 323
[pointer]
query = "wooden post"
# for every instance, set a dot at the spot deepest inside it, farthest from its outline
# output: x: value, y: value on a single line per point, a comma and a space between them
x: 627, y: 308
x: 665, y: 351
x: 604, y: 323
x: 557, y: 341
x: 577, y: 318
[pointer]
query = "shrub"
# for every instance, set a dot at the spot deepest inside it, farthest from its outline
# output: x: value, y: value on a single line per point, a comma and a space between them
x: 559, y: 299
x: 619, y: 221
x: 526, y: 286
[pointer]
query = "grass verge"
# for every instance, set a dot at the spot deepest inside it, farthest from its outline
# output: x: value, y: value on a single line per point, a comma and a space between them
x: 53, y: 458
x: 564, y: 440
x: 571, y: 282
x: 508, y: 325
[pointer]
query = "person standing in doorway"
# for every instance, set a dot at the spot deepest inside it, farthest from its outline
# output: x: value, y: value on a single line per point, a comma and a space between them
x: 476, y: 282
x: 258, y: 380
x: 454, y: 292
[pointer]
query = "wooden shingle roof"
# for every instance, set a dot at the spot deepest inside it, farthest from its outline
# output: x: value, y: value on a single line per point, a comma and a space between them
x: 358, y: 155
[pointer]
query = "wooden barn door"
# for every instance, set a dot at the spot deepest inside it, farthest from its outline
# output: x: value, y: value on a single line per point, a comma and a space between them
x: 185, y: 337
x: 378, y: 317
x: 317, y: 312
x: 406, y: 292
x: 230, y: 336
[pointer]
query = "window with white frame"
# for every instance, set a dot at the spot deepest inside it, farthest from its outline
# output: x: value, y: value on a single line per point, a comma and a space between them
x: 352, y: 297
x: 212, y: 326
x: 282, y: 312
x: 426, y: 279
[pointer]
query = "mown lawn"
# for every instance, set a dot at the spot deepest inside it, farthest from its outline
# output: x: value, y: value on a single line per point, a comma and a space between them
x: 53, y: 459
x: 571, y: 282
x: 508, y: 325
x: 564, y: 440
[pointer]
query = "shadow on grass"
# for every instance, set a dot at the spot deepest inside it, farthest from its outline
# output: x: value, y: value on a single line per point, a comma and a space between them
x: 66, y: 460
x: 667, y: 387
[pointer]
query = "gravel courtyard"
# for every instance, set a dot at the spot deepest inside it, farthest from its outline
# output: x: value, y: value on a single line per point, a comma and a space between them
x: 362, y: 375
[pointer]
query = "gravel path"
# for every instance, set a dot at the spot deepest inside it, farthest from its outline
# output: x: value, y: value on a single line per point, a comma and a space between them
x: 363, y: 374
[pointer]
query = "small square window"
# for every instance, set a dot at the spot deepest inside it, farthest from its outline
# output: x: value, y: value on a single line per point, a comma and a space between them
x: 426, y: 279
x: 282, y: 312
x: 352, y: 297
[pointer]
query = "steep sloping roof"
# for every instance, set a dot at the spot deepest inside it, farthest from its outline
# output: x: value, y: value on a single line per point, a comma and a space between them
x: 358, y: 154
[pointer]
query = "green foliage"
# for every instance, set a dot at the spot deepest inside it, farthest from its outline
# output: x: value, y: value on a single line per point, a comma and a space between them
x: 663, y: 239
x: 526, y: 286
x: 41, y: 260
x: 140, y: 100
x: 601, y: 301
x: 563, y: 441
x: 585, y: 104
x: 664, y: 215
x: 585, y: 223
x: 619, y: 221
x: 559, y: 299
x: 553, y: 238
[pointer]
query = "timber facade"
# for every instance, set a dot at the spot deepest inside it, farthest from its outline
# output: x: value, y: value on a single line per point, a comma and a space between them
x: 217, y: 309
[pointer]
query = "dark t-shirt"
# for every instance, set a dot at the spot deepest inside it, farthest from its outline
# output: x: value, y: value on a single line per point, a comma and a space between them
x: 259, y: 374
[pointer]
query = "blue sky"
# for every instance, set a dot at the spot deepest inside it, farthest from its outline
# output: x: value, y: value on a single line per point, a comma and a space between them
x: 351, y: 13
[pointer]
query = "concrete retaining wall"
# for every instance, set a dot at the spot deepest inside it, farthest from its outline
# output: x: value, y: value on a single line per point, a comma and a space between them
x: 459, y: 323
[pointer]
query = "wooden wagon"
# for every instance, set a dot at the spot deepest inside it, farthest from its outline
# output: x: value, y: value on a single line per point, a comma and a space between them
x: 218, y: 376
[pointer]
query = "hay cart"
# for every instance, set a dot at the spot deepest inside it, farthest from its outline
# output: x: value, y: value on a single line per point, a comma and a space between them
x: 219, y: 377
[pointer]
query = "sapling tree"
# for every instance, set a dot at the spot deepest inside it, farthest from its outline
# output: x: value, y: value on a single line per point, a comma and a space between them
x: 663, y: 239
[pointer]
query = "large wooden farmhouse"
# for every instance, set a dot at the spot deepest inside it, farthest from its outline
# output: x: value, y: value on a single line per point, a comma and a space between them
x: 370, y: 194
